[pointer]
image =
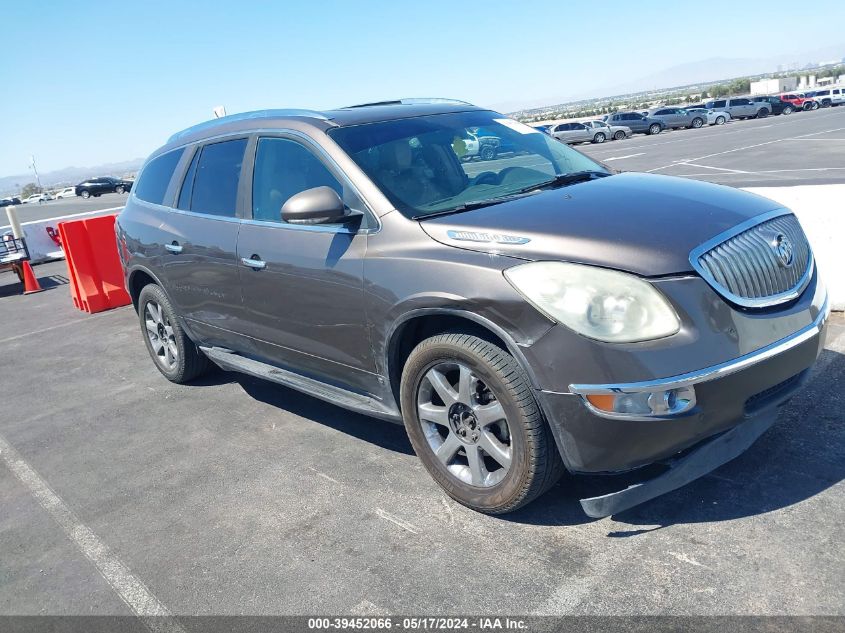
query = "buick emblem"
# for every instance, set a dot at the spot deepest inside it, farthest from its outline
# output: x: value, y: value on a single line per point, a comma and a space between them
x: 783, y: 249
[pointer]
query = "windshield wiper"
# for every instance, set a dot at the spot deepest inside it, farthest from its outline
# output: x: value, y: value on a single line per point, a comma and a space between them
x: 467, y: 206
x: 562, y: 180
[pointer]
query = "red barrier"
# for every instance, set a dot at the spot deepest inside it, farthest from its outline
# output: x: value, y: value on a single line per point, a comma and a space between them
x: 96, y: 276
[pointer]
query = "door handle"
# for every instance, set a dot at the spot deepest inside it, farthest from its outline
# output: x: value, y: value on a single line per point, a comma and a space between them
x: 253, y: 262
x: 174, y: 247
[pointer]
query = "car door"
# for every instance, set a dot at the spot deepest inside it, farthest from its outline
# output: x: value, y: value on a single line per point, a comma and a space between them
x: 200, y: 238
x: 581, y: 133
x: 635, y: 121
x: 302, y: 286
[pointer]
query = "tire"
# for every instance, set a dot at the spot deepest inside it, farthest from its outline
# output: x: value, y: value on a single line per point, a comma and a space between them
x: 619, y: 135
x: 496, y: 379
x: 654, y: 128
x: 720, y: 120
x: 599, y: 138
x: 176, y: 357
x: 762, y: 113
x: 697, y: 123
x: 119, y: 189
x: 487, y: 152
x: 85, y: 194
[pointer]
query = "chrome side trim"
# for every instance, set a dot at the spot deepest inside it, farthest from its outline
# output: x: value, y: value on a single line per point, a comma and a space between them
x: 716, y: 371
x: 746, y: 302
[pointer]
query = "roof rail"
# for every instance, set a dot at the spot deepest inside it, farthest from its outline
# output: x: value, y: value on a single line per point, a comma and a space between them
x: 244, y: 116
x: 411, y: 101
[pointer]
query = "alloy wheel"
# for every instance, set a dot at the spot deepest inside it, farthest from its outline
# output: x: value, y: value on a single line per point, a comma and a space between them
x: 465, y: 424
x: 160, y: 335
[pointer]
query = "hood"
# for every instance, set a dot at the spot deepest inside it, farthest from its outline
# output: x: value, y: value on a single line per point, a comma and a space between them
x: 640, y: 223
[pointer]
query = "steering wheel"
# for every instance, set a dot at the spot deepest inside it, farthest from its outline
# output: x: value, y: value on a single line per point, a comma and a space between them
x: 486, y: 178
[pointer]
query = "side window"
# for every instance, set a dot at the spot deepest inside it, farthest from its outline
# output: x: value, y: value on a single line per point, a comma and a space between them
x: 719, y: 104
x: 215, y: 188
x: 152, y: 185
x: 284, y: 168
x: 184, y: 202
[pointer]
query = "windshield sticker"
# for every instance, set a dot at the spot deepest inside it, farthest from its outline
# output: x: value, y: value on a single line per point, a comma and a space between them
x: 517, y: 126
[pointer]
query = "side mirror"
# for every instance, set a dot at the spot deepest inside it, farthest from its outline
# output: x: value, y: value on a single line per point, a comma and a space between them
x: 320, y: 205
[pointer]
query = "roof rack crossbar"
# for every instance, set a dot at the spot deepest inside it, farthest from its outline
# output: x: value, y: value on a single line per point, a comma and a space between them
x: 244, y: 116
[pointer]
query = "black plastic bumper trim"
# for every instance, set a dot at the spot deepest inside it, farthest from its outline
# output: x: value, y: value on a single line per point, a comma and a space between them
x: 682, y: 470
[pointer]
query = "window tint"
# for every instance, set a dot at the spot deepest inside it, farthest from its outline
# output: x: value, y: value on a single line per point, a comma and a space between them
x: 188, y: 183
x: 216, y: 182
x: 284, y: 168
x: 152, y: 185
x: 719, y: 104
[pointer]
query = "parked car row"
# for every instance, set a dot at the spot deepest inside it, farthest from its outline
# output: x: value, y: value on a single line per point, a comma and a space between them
x: 620, y: 125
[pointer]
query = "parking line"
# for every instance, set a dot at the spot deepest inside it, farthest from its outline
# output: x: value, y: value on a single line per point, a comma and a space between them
x: 621, y: 157
x: 152, y: 613
x: 735, y: 171
x: 59, y: 326
x: 739, y: 149
x: 396, y: 521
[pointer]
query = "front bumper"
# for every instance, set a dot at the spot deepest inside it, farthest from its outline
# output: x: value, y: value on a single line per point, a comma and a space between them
x: 729, y: 396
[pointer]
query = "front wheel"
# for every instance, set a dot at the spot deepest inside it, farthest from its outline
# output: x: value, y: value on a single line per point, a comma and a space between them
x: 599, y: 138
x: 697, y: 123
x: 85, y: 195
x: 174, y: 354
x: 119, y: 189
x: 788, y: 110
x: 720, y: 120
x: 619, y: 135
x: 488, y: 152
x: 473, y: 421
x: 762, y: 113
x: 653, y: 129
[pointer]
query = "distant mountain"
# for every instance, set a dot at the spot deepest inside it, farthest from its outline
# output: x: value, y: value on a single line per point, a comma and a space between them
x: 11, y: 185
x: 701, y: 71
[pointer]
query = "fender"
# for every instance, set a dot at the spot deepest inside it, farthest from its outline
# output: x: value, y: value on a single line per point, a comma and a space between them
x: 513, y: 347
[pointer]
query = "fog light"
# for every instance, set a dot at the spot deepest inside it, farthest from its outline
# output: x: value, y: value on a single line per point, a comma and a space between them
x: 642, y: 403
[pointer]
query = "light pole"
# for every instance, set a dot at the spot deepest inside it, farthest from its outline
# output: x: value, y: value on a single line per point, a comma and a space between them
x: 35, y: 169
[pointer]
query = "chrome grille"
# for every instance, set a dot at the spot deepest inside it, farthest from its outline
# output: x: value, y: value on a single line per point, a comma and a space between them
x: 746, y: 265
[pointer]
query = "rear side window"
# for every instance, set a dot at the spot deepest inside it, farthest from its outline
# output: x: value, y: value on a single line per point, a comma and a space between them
x: 154, y: 180
x: 188, y: 183
x: 284, y: 168
x: 215, y: 189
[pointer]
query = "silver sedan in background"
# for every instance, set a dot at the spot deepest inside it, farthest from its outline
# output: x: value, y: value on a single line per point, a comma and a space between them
x: 714, y: 117
x: 615, y: 132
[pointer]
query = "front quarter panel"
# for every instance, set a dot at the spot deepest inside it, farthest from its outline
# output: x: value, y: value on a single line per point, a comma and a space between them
x: 409, y: 274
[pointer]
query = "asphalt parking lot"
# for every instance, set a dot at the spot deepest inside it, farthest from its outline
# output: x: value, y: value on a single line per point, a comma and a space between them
x: 804, y: 148
x: 233, y: 496
x: 66, y: 206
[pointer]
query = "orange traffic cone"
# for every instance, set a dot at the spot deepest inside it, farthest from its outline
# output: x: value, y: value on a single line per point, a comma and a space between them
x: 30, y: 283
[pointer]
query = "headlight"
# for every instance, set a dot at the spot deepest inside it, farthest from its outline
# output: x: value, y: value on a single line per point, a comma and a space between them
x: 602, y: 304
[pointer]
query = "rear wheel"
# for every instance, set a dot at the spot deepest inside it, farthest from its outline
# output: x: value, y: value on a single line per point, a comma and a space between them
x: 654, y: 128
x: 720, y: 120
x: 488, y: 152
x: 472, y: 419
x: 697, y: 123
x: 85, y: 194
x: 599, y: 138
x: 788, y: 109
x: 119, y: 189
x: 762, y: 113
x: 174, y: 354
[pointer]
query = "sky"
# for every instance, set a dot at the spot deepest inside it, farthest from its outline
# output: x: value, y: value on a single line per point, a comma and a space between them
x: 86, y: 83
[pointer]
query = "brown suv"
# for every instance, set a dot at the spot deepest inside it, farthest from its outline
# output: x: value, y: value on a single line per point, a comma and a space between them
x: 520, y: 316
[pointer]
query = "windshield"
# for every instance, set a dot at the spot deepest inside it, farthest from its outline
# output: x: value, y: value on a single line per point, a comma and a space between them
x: 433, y: 164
